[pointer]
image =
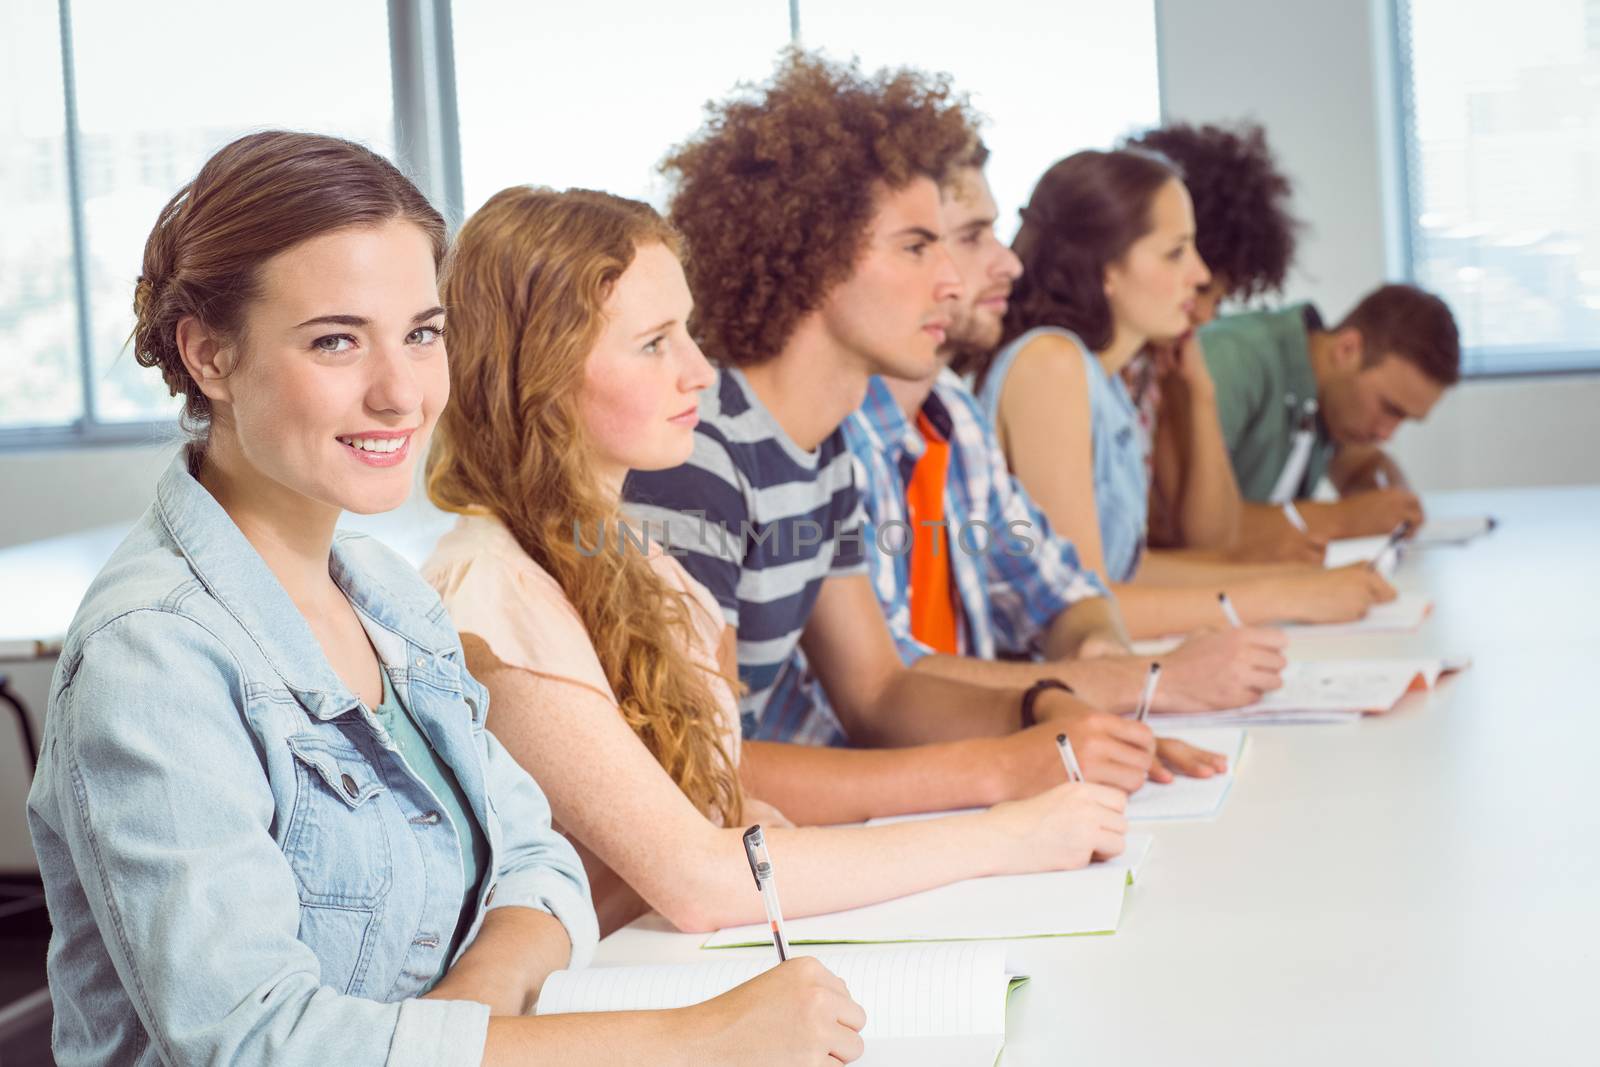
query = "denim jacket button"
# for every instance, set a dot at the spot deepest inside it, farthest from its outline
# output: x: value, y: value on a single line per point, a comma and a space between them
x: 349, y: 785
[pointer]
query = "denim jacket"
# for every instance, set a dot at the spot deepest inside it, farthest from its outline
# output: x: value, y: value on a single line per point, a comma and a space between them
x: 239, y: 866
x: 1121, y: 483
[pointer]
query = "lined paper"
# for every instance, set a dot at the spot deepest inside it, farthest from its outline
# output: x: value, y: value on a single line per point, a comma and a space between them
x: 1405, y: 612
x: 1048, y: 904
x: 1185, y: 797
x: 906, y: 990
x: 1328, y: 691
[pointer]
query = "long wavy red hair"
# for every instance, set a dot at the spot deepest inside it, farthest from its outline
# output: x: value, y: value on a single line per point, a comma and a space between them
x: 526, y: 286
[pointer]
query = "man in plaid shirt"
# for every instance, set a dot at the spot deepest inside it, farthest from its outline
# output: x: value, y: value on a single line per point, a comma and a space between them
x: 1024, y: 608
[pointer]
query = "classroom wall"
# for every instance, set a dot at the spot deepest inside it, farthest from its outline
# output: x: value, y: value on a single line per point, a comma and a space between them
x: 1316, y: 73
x: 53, y: 491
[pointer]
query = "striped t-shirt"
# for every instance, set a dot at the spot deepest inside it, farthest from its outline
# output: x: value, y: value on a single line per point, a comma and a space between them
x: 758, y: 521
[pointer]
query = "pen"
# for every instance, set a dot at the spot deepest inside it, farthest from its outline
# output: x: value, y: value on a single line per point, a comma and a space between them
x: 1398, y: 534
x: 1069, y: 759
x: 1143, y: 711
x: 755, y: 849
x: 1296, y: 520
x: 1227, y: 609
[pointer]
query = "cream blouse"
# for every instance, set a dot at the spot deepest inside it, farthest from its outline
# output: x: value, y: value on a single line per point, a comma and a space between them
x: 495, y: 591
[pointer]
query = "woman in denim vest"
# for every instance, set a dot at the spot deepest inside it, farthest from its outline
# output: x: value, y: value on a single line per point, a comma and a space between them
x: 1107, y: 245
x: 271, y: 824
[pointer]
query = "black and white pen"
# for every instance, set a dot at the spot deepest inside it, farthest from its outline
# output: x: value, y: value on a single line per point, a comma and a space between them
x: 1069, y: 759
x: 755, y: 849
x: 1142, y: 712
x: 1398, y: 534
x: 1226, y: 604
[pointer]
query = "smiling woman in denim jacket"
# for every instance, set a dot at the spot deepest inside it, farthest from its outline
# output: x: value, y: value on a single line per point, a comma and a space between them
x: 271, y: 824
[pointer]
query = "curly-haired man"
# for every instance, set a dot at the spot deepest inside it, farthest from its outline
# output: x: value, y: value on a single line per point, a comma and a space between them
x: 811, y: 211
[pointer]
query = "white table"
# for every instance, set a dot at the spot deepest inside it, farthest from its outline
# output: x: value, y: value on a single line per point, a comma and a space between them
x: 42, y: 582
x: 1418, y: 888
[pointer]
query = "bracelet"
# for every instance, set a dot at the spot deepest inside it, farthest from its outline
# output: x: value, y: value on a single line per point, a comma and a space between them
x: 1032, y: 695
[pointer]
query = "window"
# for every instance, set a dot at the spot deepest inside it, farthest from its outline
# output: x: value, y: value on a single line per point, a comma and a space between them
x: 38, y: 324
x: 151, y: 99
x: 563, y: 95
x: 1502, y: 142
x: 553, y: 95
x: 1050, y: 79
x: 107, y: 111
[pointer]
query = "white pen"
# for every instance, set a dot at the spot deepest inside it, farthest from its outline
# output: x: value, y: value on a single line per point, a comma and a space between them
x: 1143, y: 711
x: 1227, y: 609
x: 1069, y: 759
x: 755, y: 850
x: 1296, y: 520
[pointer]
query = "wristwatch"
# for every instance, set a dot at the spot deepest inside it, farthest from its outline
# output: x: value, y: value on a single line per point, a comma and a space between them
x: 1032, y: 695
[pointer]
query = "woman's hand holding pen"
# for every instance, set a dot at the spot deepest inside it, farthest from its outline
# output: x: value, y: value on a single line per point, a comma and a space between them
x: 1060, y: 829
x: 797, y: 1013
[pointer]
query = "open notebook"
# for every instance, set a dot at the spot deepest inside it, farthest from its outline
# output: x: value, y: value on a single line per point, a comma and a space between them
x: 1404, y: 613
x: 1048, y: 904
x: 1327, y: 691
x: 926, y: 1004
x: 1191, y: 798
x: 1455, y: 530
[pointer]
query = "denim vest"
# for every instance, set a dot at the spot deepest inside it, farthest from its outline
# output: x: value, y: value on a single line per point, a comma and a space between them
x: 239, y: 866
x: 1121, y: 484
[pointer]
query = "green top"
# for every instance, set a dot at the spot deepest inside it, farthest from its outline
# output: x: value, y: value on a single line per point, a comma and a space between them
x: 1261, y: 362
x: 424, y: 762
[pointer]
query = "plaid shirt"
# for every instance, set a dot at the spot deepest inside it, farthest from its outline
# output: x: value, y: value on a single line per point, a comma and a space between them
x: 1010, y: 585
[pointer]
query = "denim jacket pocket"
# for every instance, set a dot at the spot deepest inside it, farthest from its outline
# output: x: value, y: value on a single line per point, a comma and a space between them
x: 337, y: 841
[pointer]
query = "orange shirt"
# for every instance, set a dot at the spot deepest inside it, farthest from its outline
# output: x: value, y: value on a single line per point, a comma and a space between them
x: 933, y: 608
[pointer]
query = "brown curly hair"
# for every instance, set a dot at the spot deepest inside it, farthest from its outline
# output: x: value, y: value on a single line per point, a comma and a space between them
x: 258, y: 196
x: 526, y: 287
x: 774, y: 194
x: 1243, y: 228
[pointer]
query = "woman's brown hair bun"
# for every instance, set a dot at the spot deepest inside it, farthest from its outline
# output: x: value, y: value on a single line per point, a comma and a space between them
x: 255, y: 198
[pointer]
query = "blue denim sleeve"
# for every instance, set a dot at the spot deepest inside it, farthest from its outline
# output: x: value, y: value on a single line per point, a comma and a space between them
x: 163, y: 814
x: 538, y: 866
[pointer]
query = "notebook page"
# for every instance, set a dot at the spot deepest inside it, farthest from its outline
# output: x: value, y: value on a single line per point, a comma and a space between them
x: 906, y: 990
x: 1049, y: 904
x: 647, y: 987
x: 1185, y: 797
x: 1346, y: 550
x: 1327, y: 691
x: 1404, y: 612
x: 1216, y: 720
x: 1454, y: 530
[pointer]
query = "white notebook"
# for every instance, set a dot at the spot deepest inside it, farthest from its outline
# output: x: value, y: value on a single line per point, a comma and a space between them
x: 1048, y: 904
x: 1327, y: 691
x: 925, y: 1004
x: 1454, y: 530
x: 1191, y: 798
x: 1404, y: 613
